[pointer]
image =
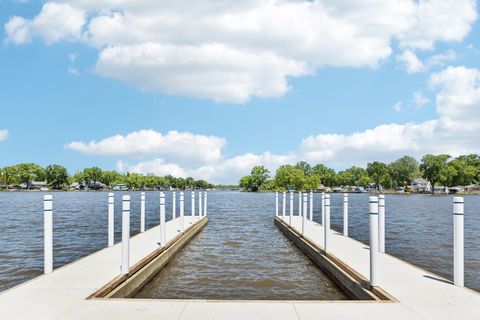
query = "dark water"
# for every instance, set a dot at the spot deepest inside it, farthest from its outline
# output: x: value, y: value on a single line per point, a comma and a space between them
x: 419, y: 229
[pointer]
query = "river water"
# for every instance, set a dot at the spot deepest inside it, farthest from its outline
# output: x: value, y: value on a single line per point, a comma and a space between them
x: 240, y: 254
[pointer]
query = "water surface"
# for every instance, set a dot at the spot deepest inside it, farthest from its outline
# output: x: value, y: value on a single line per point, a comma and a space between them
x: 419, y: 229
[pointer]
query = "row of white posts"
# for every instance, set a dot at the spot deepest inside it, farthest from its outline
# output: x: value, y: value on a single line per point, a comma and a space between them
x: 125, y: 258
x: 376, y: 228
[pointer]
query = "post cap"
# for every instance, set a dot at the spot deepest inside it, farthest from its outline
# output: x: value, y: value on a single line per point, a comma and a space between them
x: 327, y: 196
x: 382, y: 196
x: 110, y: 194
x: 373, y: 199
x: 458, y: 199
x: 126, y: 198
x: 47, y: 197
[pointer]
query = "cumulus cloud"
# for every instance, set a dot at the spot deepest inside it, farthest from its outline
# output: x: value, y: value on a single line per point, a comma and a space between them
x: 3, y: 134
x: 182, y: 147
x: 234, y: 50
x: 454, y: 131
x: 55, y: 22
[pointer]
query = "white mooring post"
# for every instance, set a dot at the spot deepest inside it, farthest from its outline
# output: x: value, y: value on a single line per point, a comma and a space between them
x: 182, y: 208
x: 111, y: 219
x: 174, y: 205
x: 299, y: 203
x: 458, y: 254
x: 345, y: 214
x: 205, y: 203
x: 284, y: 205
x: 323, y: 208
x: 326, y: 222
x: 163, y: 229
x: 125, y: 267
x: 200, y: 206
x: 142, y: 212
x: 311, y: 206
x: 48, y: 233
x: 304, y: 213
x: 276, y: 203
x: 381, y: 223
x: 373, y: 214
x: 291, y: 208
x: 193, y: 204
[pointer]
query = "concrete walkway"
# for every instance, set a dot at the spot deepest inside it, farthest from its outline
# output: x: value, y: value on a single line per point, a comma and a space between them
x: 61, y: 295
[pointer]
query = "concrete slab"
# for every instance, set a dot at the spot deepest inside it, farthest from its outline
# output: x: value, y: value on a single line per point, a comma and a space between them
x: 62, y: 294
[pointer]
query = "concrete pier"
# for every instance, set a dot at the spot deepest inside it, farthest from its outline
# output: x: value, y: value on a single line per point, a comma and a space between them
x: 412, y: 293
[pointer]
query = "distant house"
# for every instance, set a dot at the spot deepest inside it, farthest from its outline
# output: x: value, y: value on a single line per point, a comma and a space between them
x: 120, y: 187
x: 473, y: 188
x: 421, y: 185
x: 35, y: 185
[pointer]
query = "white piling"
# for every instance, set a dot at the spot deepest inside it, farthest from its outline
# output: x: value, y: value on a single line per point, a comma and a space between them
x: 345, y: 214
x: 311, y: 206
x: 373, y: 214
x: 326, y: 222
x: 182, y: 208
x: 163, y: 229
x: 381, y: 223
x: 458, y: 244
x: 284, y: 204
x: 174, y: 205
x: 142, y: 212
x: 200, y: 206
x: 125, y: 267
x: 291, y: 208
x: 323, y: 208
x: 276, y: 203
x: 299, y: 203
x: 47, y: 234
x: 193, y: 204
x: 205, y: 203
x: 304, y: 214
x: 111, y: 219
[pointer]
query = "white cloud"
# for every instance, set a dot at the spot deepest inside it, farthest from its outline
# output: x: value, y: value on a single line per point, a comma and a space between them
x: 442, y: 20
x: 55, y: 22
x: 398, y: 106
x: 410, y: 61
x: 454, y: 131
x: 234, y: 50
x: 419, y: 99
x: 3, y: 134
x: 182, y: 147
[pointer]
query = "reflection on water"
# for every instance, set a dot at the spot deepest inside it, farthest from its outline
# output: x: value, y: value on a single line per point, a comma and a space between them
x: 419, y: 229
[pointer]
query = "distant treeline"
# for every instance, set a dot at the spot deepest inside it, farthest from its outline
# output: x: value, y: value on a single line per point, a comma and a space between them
x: 437, y: 169
x: 57, y: 177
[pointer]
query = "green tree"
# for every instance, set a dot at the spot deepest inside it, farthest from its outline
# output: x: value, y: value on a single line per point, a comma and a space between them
x: 109, y: 177
x: 404, y: 170
x: 290, y: 177
x: 305, y: 167
x: 57, y: 176
x: 245, y: 183
x: 93, y: 174
x: 378, y: 172
x: 9, y: 176
x: 432, y: 167
x: 312, y: 182
x: 354, y: 176
x: 466, y: 171
x: 28, y: 172
x: 327, y: 175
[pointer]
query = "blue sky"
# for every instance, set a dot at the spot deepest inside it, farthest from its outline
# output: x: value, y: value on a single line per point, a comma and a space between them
x: 328, y: 102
